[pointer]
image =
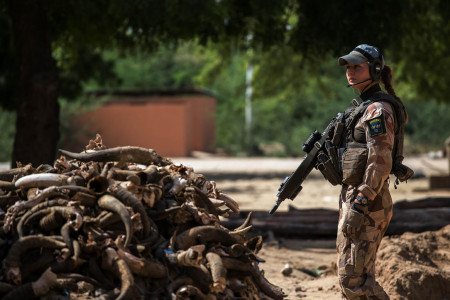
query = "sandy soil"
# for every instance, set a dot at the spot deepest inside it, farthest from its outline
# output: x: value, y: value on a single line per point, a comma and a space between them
x: 312, y: 263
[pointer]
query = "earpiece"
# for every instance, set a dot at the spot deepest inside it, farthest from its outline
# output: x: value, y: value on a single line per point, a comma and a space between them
x: 375, y: 69
x: 376, y: 64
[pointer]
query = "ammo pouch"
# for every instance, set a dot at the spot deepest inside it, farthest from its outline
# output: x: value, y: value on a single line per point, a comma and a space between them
x: 328, y: 170
x: 354, y: 161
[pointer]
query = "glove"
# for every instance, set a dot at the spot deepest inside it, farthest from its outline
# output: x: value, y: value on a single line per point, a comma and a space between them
x: 354, y: 219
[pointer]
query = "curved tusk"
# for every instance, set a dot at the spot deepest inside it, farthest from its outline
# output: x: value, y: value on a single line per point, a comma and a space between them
x: 241, y: 231
x: 42, y: 286
x: 111, y: 203
x: 218, y: 272
x: 8, y: 175
x: 129, y: 199
x: 13, y: 260
x: 246, y: 222
x: 121, y: 269
x: 269, y: 289
x: 130, y: 154
x: 230, y: 202
x: 42, y: 180
x: 239, y: 235
x: 201, y: 235
x: 143, y: 267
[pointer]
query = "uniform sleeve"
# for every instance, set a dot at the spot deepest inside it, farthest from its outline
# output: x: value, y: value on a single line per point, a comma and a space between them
x: 378, y: 123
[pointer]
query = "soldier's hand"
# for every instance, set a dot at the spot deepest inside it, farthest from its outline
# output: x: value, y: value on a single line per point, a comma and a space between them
x: 354, y: 219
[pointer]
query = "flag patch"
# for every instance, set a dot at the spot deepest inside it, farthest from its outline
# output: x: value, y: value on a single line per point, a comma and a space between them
x: 376, y: 126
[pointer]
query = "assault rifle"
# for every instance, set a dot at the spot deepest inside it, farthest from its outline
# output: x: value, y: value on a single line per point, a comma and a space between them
x: 292, y: 185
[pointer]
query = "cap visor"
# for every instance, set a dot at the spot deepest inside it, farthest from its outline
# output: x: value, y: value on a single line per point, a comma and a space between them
x: 351, y: 58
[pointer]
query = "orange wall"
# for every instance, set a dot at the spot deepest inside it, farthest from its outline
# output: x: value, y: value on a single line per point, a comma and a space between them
x: 202, y: 120
x: 173, y: 126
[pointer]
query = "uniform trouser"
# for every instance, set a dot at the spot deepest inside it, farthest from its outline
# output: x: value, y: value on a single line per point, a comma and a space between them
x: 356, y: 257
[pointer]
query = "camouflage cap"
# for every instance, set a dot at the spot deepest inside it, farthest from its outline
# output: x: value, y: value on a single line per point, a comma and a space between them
x: 360, y: 54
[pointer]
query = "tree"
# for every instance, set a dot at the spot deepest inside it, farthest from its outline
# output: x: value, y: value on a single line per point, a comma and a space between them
x: 36, y: 91
x: 51, y: 46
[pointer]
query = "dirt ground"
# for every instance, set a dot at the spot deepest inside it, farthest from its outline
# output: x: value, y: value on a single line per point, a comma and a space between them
x: 411, y: 266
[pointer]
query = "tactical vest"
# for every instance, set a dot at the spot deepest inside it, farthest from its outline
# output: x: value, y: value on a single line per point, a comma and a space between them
x: 345, y: 156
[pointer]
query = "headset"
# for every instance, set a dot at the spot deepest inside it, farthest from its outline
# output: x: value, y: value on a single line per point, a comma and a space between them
x: 376, y: 64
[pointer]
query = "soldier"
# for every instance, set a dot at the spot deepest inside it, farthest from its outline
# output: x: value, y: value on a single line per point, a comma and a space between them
x: 368, y: 149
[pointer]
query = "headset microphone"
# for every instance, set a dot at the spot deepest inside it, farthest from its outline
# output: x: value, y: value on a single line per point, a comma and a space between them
x: 353, y: 84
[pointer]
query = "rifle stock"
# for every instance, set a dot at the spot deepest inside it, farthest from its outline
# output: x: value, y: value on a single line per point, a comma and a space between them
x: 292, y: 185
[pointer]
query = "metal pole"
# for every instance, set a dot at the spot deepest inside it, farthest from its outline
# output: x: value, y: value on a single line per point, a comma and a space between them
x: 248, y: 107
x: 447, y: 152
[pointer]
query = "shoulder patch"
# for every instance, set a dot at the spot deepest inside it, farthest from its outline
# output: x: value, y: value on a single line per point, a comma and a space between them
x: 376, y: 126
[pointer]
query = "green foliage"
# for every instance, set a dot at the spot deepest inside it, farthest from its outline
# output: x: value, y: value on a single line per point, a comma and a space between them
x: 7, y: 125
x: 228, y: 85
x: 429, y: 125
x: 293, y: 113
x: 167, y: 67
x: 421, y: 50
x: 83, y: 67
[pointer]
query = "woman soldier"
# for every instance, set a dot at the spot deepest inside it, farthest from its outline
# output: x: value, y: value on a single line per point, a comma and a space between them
x: 369, y: 149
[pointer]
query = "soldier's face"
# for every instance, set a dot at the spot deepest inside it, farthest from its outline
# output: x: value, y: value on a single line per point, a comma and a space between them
x: 358, y: 73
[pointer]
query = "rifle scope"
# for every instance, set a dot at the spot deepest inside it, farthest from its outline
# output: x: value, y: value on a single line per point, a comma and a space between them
x: 314, y: 137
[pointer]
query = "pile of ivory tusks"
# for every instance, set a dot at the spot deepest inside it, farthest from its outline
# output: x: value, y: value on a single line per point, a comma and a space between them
x: 123, y: 223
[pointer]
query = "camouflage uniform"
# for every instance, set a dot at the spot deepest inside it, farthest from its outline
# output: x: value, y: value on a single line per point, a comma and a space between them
x: 356, y: 257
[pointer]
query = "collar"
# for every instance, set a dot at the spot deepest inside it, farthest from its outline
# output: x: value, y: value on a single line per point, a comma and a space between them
x: 366, y: 95
x: 372, y: 90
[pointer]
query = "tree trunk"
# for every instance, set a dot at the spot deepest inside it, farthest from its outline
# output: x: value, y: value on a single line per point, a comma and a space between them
x: 37, y: 124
